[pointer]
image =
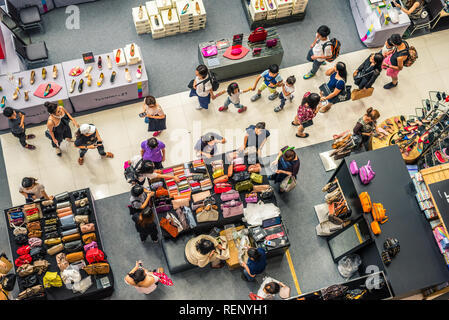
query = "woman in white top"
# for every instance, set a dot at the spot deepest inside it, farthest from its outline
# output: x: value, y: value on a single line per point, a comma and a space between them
x: 202, y: 87
x: 141, y: 279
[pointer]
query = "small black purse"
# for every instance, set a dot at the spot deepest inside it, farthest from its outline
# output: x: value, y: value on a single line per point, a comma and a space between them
x: 267, y: 194
x: 73, y: 246
x: 37, y: 253
x: 28, y: 282
x: 21, y: 239
x: 8, y: 281
x: 53, y: 234
x: 241, y: 176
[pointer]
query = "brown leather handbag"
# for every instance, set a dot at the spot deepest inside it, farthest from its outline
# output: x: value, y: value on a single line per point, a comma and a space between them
x: 34, y: 234
x: 36, y: 225
x: 167, y: 226
x: 55, y: 249
x: 87, y: 227
x: 97, y: 268
x: 178, y: 203
x: 161, y: 192
x: 71, y: 237
x: 52, y: 241
x: 25, y: 270
x: 260, y: 188
x: 41, y: 266
x: 76, y: 256
x: 200, y: 196
x: 89, y: 237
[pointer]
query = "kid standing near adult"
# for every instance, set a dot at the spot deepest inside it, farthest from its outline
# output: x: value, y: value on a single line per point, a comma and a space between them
x: 154, y: 116
x: 233, y: 97
x: 271, y: 80
x: 202, y: 87
x: 287, y: 92
x: 320, y: 50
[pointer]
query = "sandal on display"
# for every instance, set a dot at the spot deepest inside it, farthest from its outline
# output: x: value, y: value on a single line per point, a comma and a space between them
x: 26, y: 95
x: 100, y: 63
x: 72, y: 86
x: 44, y: 73
x: 15, y: 95
x: 47, y: 90
x: 113, y: 74
x: 89, y: 80
x: 117, y: 56
x: 156, y: 21
x: 19, y: 83
x: 108, y: 58
x: 184, y: 10
x: 3, y: 103
x: 127, y: 75
x: 80, y: 85
x: 88, y: 70
x: 139, y: 72
x: 100, y: 80
x: 32, y: 75
x: 55, y: 72
x: 169, y: 14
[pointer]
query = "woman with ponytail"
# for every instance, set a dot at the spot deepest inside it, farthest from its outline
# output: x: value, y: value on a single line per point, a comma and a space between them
x: 335, y: 87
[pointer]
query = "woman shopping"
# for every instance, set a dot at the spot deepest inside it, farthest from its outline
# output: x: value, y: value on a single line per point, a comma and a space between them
x: 58, y: 125
x: 306, y: 112
x: 202, y: 249
x: 144, y: 215
x: 335, y: 90
x: 154, y: 116
x: 287, y: 164
x: 366, y: 125
x: 143, y: 280
x: 32, y: 190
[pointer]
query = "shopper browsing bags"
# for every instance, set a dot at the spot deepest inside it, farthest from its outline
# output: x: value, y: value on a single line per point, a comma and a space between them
x: 202, y: 249
x: 271, y: 287
x: 233, y: 97
x: 202, y: 87
x: 287, y: 92
x: 206, y: 146
x: 87, y: 137
x: 271, y: 80
x: 153, y: 150
x: 154, y: 116
x: 144, y: 215
x: 307, y: 110
x: 256, y: 263
x: 143, y: 280
x: 366, y: 125
x: 58, y: 127
x: 320, y: 50
x: 32, y: 190
x: 287, y: 164
x: 143, y: 169
x: 255, y: 138
x: 16, y: 122
x: 335, y: 90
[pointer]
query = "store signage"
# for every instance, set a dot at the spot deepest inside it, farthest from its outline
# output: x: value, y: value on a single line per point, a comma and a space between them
x: 88, y: 57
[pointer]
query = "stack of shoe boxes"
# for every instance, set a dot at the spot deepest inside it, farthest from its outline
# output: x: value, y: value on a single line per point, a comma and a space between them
x: 199, y: 15
x: 271, y: 9
x: 185, y: 13
x: 284, y: 8
x: 141, y: 20
x: 299, y: 6
x: 170, y: 20
x: 258, y: 10
x: 157, y: 27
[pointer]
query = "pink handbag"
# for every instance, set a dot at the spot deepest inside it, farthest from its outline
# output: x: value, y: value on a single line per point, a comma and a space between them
x: 232, y: 208
x: 251, y: 197
x: 230, y: 195
x: 353, y: 168
x: 89, y: 246
x: 209, y: 51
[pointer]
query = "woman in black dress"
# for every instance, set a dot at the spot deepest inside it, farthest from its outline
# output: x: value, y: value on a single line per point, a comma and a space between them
x: 58, y: 125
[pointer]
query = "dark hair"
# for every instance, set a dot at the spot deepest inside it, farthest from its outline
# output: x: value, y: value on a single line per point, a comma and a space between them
x: 136, y: 190
x: 150, y: 100
x: 378, y: 58
x: 396, y: 39
x: 260, y: 125
x: 289, y: 155
x: 208, y: 138
x: 205, y: 246
x: 202, y: 70
x: 51, y: 107
x: 152, y: 143
x: 372, y: 113
x: 28, y: 182
x: 254, y: 254
x: 272, y: 287
x: 8, y: 111
x: 147, y: 166
x: 232, y: 86
x: 273, y: 68
x: 324, y: 31
x: 312, y: 100
x: 341, y: 70
x: 291, y: 80
x: 138, y: 276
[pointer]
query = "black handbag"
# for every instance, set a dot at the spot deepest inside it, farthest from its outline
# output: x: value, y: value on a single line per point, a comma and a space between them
x: 73, y: 246
x: 267, y: 194
x: 21, y: 239
x: 8, y: 281
x: 37, y: 253
x: 28, y: 282
x: 241, y: 176
x: 49, y: 229
x: 53, y: 234
x: 83, y: 210
x: 190, y: 85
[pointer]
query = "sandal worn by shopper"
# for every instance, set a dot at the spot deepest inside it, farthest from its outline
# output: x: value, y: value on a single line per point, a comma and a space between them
x: 80, y: 161
x: 30, y: 147
x: 294, y: 124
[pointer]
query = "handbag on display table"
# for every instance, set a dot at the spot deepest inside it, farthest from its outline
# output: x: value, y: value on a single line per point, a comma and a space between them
x: 259, y: 34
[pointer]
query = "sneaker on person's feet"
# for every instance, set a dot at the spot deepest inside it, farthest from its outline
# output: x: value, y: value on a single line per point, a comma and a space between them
x: 273, y: 96
x: 256, y: 97
x: 390, y: 85
x: 222, y: 108
x: 198, y: 107
x: 30, y: 147
x: 156, y: 133
x: 278, y: 108
x: 30, y: 136
x: 243, y: 109
x: 308, y: 75
x: 291, y: 98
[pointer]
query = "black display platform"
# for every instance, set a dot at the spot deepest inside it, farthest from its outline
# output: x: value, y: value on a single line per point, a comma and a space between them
x: 419, y: 264
x: 63, y: 293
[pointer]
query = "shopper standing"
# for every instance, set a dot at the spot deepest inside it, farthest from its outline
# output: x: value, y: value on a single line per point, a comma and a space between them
x: 367, y: 73
x: 255, y: 138
x: 287, y: 92
x: 16, y: 122
x: 32, y: 190
x: 256, y: 263
x: 320, y: 50
x: 414, y: 9
x: 287, y: 164
x: 207, y: 145
x: 87, y: 137
x: 141, y: 279
x: 202, y: 87
x: 144, y: 216
x: 270, y: 288
x: 58, y: 125
x: 145, y: 170
x: 153, y: 150
x: 271, y: 80
x: 394, y: 62
x: 336, y: 86
x: 306, y: 112
x: 154, y: 116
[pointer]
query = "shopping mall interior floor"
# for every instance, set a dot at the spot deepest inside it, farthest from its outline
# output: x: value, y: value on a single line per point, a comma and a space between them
x: 171, y: 61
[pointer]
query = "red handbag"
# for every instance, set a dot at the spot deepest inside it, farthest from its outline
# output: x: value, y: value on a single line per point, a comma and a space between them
x: 23, y: 259
x: 23, y: 250
x: 94, y: 255
x: 259, y: 34
x: 239, y: 168
x: 222, y: 187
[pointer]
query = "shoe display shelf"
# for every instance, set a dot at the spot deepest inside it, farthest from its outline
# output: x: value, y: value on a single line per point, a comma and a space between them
x: 190, y: 19
x: 142, y: 24
x: 268, y: 13
x: 136, y: 58
x: 171, y: 21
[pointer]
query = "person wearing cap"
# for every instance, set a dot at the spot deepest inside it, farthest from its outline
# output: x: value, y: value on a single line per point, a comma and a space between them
x: 87, y: 137
x: 207, y: 145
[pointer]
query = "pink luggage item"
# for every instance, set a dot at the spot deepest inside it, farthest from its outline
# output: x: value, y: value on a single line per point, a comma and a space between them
x: 353, y: 168
x: 366, y: 173
x: 230, y: 195
x: 232, y: 208
x: 125, y: 165
x: 209, y: 51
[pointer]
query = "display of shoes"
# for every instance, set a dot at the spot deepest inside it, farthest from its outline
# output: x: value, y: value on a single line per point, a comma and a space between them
x: 72, y: 86
x: 198, y: 9
x: 15, y: 95
x: 184, y: 10
x: 19, y: 82
x: 100, y: 80
x: 89, y: 80
x: 3, y: 102
x: 139, y: 72
x: 113, y: 74
x: 55, y: 72
x: 100, y: 63
x: 44, y: 73
x: 131, y: 50
x: 108, y: 58
x: 117, y: 56
x: 80, y: 85
x: 127, y: 75
x: 32, y: 75
x: 88, y: 70
x: 140, y: 13
x: 262, y: 6
x: 26, y: 95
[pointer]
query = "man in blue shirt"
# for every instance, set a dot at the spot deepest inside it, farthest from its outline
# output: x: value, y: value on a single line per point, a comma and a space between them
x: 257, y: 261
x: 271, y: 80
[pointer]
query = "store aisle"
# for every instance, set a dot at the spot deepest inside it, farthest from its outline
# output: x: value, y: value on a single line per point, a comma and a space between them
x: 123, y: 131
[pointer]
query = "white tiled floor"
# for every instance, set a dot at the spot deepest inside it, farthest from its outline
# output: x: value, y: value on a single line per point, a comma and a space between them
x: 123, y: 131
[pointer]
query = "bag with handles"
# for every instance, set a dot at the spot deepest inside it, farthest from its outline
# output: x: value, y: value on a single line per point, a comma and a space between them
x: 258, y: 35
x: 232, y: 208
x: 378, y: 213
x: 288, y: 184
x: 244, y: 186
x: 257, y: 178
x: 97, y: 268
x: 366, y: 173
x: 222, y: 187
x: 94, y: 255
x: 365, y: 199
x: 230, y: 195
x: 52, y: 279
x: 335, y: 48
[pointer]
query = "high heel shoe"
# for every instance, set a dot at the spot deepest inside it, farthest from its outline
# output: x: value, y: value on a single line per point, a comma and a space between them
x: 184, y: 10
x: 198, y: 10
x: 127, y: 75
x: 108, y: 58
x: 15, y: 95
x: 113, y: 76
x: 55, y: 72
x: 117, y: 56
x: 89, y: 80
x: 80, y: 86
x: 131, y: 50
x: 100, y: 80
x: 139, y: 72
x: 88, y: 70
x: 32, y: 75
x: 140, y: 14
x: 100, y: 63
x: 47, y: 90
x: 72, y: 86
x: 3, y: 103
x: 169, y: 15
x: 26, y: 95
x: 44, y: 73
x: 19, y: 82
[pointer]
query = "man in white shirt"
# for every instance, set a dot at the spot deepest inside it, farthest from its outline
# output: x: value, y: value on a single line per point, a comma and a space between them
x: 319, y: 50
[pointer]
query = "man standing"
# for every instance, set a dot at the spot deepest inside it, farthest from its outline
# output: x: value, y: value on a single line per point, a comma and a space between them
x: 320, y: 50
x: 16, y: 121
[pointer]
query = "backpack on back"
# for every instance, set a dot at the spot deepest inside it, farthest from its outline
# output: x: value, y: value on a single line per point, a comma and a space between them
x: 214, y: 81
x: 335, y: 48
x: 412, y: 56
